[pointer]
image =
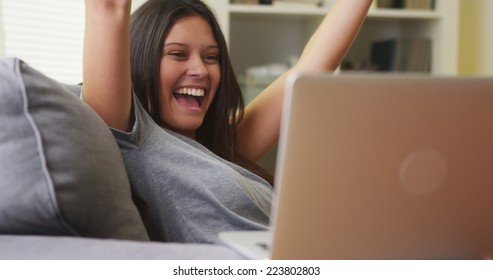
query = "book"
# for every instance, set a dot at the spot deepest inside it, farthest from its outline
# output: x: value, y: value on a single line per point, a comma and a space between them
x: 249, y: 2
x: 406, y: 4
x: 402, y: 55
x: 418, y: 4
x: 389, y: 4
x: 384, y: 55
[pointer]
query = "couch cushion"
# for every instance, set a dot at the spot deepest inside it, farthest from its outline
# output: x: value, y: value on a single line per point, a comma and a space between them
x: 61, y: 172
x: 26, y: 247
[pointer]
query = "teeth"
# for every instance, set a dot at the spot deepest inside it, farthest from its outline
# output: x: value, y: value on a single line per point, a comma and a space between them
x: 191, y: 91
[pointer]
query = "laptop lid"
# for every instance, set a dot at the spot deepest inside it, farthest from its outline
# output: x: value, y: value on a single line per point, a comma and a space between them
x: 385, y: 167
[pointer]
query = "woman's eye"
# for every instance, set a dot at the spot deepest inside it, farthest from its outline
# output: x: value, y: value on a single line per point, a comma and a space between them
x: 178, y: 55
x: 211, y: 58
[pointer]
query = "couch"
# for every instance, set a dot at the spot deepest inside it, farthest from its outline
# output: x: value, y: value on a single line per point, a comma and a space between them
x: 64, y: 191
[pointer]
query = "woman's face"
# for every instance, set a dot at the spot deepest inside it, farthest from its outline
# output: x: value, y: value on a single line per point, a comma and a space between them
x: 189, y: 74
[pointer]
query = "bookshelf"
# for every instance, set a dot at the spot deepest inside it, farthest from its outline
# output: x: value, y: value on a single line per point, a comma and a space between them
x: 263, y: 34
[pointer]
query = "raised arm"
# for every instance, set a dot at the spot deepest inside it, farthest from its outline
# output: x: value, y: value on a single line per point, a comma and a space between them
x: 259, y: 129
x: 106, y: 71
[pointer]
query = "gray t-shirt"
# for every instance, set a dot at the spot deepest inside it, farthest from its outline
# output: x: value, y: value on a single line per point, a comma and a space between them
x: 191, y: 193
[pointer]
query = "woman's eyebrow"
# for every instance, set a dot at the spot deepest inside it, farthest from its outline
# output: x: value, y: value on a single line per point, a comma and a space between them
x: 186, y: 45
x: 176, y: 43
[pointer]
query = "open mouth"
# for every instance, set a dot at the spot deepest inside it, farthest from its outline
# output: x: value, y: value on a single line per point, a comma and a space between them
x: 189, y: 97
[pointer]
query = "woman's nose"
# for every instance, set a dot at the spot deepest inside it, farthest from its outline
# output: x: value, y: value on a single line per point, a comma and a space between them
x: 197, y: 67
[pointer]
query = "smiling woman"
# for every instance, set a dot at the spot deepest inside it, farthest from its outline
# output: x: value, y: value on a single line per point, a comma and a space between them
x: 188, y: 184
x: 169, y: 93
x: 189, y: 67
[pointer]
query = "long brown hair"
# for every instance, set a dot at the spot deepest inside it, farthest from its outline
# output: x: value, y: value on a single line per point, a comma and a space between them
x: 149, y: 26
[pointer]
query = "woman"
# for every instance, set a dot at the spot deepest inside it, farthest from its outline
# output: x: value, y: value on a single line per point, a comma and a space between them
x: 189, y: 147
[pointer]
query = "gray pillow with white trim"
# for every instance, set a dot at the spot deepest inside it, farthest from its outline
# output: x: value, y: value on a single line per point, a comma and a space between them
x: 61, y: 172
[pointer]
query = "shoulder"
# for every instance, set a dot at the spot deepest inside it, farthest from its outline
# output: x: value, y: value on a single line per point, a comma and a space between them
x: 143, y: 126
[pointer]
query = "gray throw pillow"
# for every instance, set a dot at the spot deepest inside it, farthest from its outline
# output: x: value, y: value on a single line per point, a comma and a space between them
x: 61, y: 172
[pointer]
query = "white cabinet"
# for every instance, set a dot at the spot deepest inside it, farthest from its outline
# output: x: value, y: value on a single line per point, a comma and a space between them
x: 262, y: 34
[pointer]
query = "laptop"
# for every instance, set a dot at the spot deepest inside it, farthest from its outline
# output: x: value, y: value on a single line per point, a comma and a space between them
x: 381, y: 167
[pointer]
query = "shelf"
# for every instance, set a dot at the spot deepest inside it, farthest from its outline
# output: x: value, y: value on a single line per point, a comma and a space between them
x: 403, y: 14
x: 266, y: 10
x: 257, y: 10
x: 281, y: 32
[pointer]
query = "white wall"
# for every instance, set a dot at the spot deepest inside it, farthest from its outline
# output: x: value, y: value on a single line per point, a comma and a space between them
x: 137, y: 3
x: 1, y: 32
x: 54, y: 49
